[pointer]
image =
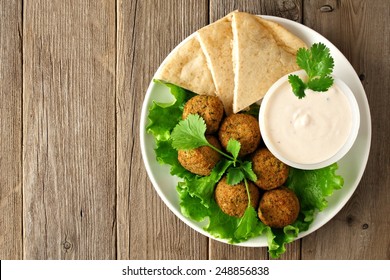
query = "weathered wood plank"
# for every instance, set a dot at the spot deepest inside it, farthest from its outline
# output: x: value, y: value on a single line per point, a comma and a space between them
x: 69, y: 130
x: 361, y: 30
x: 10, y: 130
x: 287, y: 9
x: 291, y: 9
x: 146, y: 32
x: 222, y: 251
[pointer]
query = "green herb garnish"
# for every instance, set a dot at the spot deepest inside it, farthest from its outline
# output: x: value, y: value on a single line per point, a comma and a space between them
x: 190, y: 134
x: 196, y: 192
x: 318, y: 64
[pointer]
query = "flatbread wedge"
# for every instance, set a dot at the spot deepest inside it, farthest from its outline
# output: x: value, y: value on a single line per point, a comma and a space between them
x: 285, y: 39
x: 216, y: 42
x: 263, y: 52
x: 187, y: 67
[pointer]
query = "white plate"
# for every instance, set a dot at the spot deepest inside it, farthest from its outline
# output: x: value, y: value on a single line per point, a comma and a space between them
x: 351, y: 166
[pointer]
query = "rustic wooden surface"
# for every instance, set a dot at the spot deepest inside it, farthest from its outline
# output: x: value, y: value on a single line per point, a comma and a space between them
x: 73, y: 75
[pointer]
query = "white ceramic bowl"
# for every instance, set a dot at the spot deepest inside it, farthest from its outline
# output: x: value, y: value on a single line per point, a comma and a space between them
x: 288, y: 159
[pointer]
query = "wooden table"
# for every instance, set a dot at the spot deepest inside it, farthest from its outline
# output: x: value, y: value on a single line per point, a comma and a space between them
x: 73, y: 76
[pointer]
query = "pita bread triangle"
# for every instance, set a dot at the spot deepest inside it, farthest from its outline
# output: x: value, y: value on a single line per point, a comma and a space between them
x: 186, y: 67
x: 262, y: 53
x: 288, y: 41
x: 216, y: 42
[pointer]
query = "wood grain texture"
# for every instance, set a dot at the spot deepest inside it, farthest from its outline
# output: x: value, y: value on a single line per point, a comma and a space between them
x: 146, y: 32
x: 361, y: 30
x: 73, y: 76
x: 69, y: 130
x: 287, y: 9
x: 291, y: 9
x: 10, y: 130
x: 222, y: 251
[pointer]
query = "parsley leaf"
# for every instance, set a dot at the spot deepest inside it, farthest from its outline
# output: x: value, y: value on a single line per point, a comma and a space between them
x: 322, y: 84
x: 189, y: 133
x: 233, y: 147
x: 234, y: 176
x: 298, y: 86
x: 318, y: 64
x: 246, y: 167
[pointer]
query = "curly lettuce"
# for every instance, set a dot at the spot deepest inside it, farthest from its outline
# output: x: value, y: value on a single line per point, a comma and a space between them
x: 197, y: 202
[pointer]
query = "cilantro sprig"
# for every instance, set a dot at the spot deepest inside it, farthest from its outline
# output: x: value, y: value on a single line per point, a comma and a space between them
x: 190, y: 134
x: 196, y: 192
x: 318, y: 64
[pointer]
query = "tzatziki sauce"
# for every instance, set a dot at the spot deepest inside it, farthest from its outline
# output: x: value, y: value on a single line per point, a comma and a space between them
x: 308, y: 130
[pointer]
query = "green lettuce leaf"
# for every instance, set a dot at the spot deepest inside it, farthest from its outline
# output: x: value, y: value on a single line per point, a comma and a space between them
x: 166, y: 155
x: 191, y: 206
x: 248, y: 226
x: 313, y: 186
x: 163, y: 117
x: 278, y: 238
x: 253, y: 110
x: 220, y: 225
x: 235, y: 230
x: 203, y: 187
x: 196, y: 193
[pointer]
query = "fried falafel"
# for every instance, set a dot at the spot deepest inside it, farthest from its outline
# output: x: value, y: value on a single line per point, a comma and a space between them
x: 279, y: 207
x: 201, y: 160
x: 270, y: 171
x: 242, y: 127
x: 233, y: 200
x: 210, y: 108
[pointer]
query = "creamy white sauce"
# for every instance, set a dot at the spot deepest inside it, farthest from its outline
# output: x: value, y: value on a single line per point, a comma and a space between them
x: 308, y: 130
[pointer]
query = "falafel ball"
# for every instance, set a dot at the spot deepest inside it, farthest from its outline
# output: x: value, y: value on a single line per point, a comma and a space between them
x: 271, y: 172
x: 242, y: 127
x: 201, y: 160
x: 210, y: 108
x: 233, y: 200
x: 279, y: 207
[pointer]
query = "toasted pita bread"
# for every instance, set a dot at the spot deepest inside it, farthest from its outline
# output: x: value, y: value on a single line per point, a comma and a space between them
x: 285, y: 39
x: 262, y: 53
x: 187, y: 68
x: 216, y: 42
